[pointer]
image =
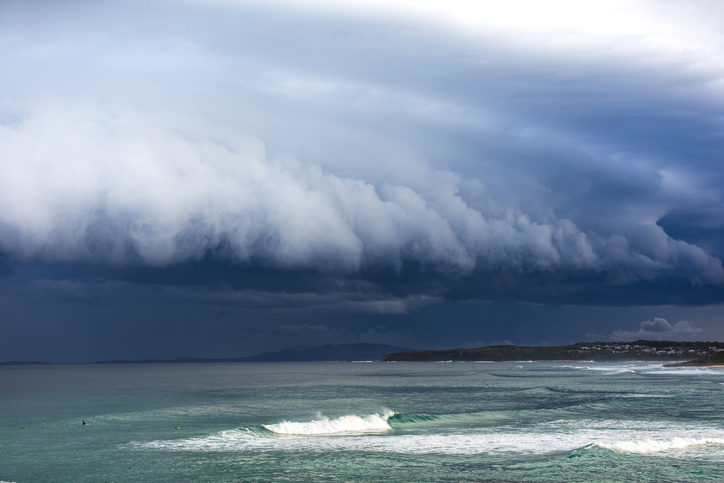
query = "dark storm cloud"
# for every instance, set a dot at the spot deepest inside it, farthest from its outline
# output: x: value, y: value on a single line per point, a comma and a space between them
x: 235, y: 146
x: 103, y: 292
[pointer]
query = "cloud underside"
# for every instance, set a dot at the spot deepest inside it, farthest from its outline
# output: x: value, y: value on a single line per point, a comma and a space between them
x: 381, y: 159
x: 129, y: 197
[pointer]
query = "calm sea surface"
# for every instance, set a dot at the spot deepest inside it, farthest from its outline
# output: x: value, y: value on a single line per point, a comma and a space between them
x: 406, y: 422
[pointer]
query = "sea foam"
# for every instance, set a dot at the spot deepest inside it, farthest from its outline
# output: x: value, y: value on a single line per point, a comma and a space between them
x: 361, y: 433
x: 648, y: 446
x: 344, y: 424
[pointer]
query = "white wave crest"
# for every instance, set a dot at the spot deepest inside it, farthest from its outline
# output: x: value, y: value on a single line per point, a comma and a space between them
x: 633, y: 437
x: 655, y: 446
x: 609, y: 370
x: 686, y: 371
x: 344, y: 424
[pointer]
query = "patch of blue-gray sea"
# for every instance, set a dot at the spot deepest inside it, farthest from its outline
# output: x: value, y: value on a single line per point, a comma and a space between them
x: 406, y: 422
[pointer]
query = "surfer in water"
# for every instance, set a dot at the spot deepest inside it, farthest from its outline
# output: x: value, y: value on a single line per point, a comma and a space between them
x: 84, y: 422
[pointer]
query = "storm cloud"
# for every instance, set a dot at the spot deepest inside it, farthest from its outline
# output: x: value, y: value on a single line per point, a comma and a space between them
x: 362, y: 157
x: 85, y: 187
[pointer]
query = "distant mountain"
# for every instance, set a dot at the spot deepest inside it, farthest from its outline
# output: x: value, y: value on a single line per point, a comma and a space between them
x: 341, y: 352
x: 322, y: 353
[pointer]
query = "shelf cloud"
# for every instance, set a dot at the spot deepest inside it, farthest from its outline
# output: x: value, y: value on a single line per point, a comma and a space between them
x: 81, y: 186
x: 375, y: 157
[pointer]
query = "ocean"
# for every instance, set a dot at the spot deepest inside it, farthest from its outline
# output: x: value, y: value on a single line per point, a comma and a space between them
x: 360, y: 422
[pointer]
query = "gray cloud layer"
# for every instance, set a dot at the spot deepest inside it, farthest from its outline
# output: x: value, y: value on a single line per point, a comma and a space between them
x: 83, y: 186
x: 318, y: 142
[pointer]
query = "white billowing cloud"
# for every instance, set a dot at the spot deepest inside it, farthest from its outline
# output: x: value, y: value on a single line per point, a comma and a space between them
x: 660, y: 329
x: 79, y: 184
x: 361, y: 114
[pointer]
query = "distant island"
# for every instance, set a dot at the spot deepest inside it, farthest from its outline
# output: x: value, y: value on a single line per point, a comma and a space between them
x: 640, y: 350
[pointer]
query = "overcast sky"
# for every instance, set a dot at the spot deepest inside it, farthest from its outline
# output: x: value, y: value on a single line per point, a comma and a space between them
x: 215, y: 179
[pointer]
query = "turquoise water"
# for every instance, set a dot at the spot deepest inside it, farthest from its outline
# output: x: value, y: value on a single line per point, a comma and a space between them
x: 406, y: 422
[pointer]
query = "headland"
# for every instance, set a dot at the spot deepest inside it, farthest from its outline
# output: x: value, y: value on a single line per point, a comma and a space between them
x: 712, y: 360
x: 640, y: 350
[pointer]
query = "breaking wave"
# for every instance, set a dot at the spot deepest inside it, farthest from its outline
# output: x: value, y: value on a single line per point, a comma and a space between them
x: 344, y: 424
x: 648, y: 446
x: 413, y: 434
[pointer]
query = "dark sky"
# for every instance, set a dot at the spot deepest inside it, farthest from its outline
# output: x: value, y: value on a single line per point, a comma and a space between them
x: 216, y: 179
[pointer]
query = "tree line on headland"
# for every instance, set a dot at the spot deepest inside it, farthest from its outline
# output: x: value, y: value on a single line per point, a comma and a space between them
x: 640, y: 350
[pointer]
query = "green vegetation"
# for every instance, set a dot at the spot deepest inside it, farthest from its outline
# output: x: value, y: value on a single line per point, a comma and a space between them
x: 711, y: 359
x: 646, y: 350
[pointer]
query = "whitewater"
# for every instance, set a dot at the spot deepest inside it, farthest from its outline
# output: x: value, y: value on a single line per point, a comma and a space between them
x: 512, y: 422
